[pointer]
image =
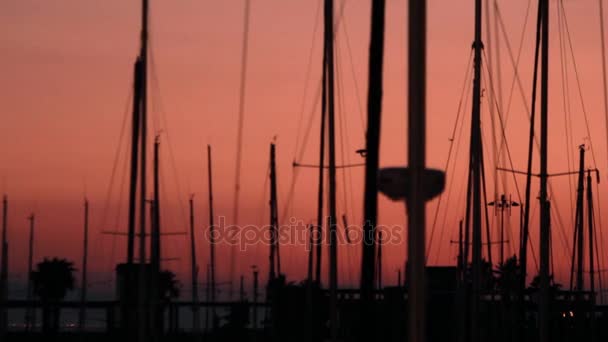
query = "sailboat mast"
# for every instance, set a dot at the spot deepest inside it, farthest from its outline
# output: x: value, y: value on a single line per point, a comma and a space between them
x: 273, y: 218
x: 591, y: 254
x: 374, y: 111
x: 416, y: 206
x: 580, y: 222
x: 333, y: 247
x: 321, y: 191
x: 143, y: 58
x: 193, y: 270
x: 155, y: 224
x: 476, y: 174
x: 134, y: 162
x: 83, y: 281
x: 211, y: 237
x: 545, y: 206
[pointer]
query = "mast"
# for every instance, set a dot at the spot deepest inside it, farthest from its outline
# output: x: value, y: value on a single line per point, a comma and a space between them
x: 416, y: 204
x: 193, y: 270
x: 321, y: 191
x: 580, y: 222
x: 83, y: 282
x: 30, y: 312
x: 545, y: 206
x: 310, y: 255
x: 239, y: 142
x: 475, y: 169
x: 275, y: 265
x: 591, y: 255
x: 379, y: 267
x: 143, y: 58
x: 142, y: 298
x: 134, y: 161
x: 374, y: 112
x: 524, y: 233
x: 4, y: 268
x: 155, y: 250
x: 333, y: 247
x: 211, y: 237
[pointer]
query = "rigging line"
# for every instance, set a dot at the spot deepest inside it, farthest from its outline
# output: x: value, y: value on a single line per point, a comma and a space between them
x: 532, y: 216
x: 123, y: 194
x: 514, y: 62
x: 340, y: 114
x: 465, y: 87
x: 341, y: 132
x: 319, y: 88
x: 604, y: 76
x: 598, y: 224
x: 560, y: 221
x: 241, y: 119
x: 295, y: 175
x: 154, y: 82
x: 578, y: 82
x: 504, y: 136
x: 109, y: 192
x: 308, y: 73
x: 562, y: 230
x: 347, y: 172
x: 453, y: 173
x: 239, y: 140
x: 355, y: 82
x: 491, y: 95
x: 566, y: 104
x: 116, y: 161
x: 598, y: 256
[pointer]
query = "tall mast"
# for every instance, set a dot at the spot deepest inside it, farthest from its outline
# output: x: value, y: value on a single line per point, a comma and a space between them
x: 416, y: 206
x: 544, y: 203
x: 193, y: 270
x: 4, y: 268
x: 143, y: 300
x: 321, y: 191
x: 30, y: 312
x: 155, y: 247
x: 523, y: 248
x: 143, y: 57
x: 475, y: 169
x: 333, y: 247
x: 239, y: 142
x: 83, y: 281
x: 591, y: 254
x: 580, y: 223
x: 134, y: 161
x: 374, y: 112
x: 274, y: 264
x: 211, y: 237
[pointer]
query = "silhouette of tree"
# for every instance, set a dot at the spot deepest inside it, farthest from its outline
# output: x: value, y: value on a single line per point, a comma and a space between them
x: 52, y: 280
x: 509, y: 274
x: 553, y: 286
x: 168, y: 285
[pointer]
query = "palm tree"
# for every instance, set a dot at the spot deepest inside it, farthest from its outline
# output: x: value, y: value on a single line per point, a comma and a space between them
x: 168, y: 285
x: 52, y: 280
x: 508, y: 279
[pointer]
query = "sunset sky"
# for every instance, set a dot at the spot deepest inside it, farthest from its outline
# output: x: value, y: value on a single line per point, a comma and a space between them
x: 66, y: 80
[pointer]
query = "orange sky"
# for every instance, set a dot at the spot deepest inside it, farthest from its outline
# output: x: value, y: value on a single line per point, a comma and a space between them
x: 66, y: 72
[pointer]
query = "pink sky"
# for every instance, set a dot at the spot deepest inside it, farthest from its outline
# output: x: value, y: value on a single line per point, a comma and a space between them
x: 66, y: 75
